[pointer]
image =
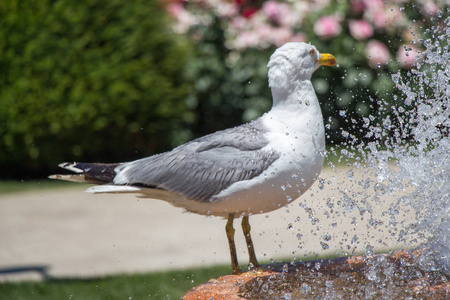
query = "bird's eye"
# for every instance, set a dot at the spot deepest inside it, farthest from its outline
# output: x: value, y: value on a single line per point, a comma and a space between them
x: 312, y: 52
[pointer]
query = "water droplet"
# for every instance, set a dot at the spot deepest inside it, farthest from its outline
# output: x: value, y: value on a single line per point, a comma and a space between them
x: 305, y: 288
x: 324, y: 246
x: 345, y: 134
x: 287, y: 296
x: 327, y: 237
x: 317, y: 266
x: 290, y: 227
x: 283, y: 187
x: 307, y: 103
x: 369, y: 250
x: 350, y: 174
x: 314, y: 221
x: 379, y: 187
x: 371, y: 274
x: 387, y: 123
x: 265, y: 288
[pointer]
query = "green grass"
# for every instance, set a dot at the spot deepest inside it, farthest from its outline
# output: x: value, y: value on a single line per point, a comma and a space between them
x: 161, y: 285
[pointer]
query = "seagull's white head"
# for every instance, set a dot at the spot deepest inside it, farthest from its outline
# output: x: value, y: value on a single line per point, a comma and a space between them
x: 294, y: 62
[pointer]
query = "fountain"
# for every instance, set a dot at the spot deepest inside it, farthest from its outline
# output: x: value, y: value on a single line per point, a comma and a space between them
x: 412, y: 165
x: 425, y: 161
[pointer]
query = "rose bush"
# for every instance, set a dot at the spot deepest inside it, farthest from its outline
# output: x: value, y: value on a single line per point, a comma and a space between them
x: 371, y: 39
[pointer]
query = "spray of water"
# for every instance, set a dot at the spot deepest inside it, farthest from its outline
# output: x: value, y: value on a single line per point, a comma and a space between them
x: 419, y: 145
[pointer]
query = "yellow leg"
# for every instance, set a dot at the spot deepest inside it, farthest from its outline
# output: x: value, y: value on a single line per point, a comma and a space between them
x: 251, y: 250
x: 230, y: 234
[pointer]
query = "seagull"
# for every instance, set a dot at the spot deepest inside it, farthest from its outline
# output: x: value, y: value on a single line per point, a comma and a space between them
x: 250, y: 169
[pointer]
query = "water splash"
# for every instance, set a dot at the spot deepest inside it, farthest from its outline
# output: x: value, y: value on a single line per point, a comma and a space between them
x: 419, y: 145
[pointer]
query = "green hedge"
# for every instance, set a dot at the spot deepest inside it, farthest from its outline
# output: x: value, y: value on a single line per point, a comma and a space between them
x: 97, y: 80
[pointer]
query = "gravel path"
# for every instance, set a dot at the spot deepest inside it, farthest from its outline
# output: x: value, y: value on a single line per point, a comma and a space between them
x: 65, y: 232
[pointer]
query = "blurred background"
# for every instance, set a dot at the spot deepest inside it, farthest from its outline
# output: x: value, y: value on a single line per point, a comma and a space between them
x: 116, y: 80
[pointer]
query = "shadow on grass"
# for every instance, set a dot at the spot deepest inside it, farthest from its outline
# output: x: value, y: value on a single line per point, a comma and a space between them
x: 41, y: 270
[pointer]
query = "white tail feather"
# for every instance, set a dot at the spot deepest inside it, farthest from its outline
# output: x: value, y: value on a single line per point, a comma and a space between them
x: 70, y: 167
x: 108, y: 188
x: 73, y: 178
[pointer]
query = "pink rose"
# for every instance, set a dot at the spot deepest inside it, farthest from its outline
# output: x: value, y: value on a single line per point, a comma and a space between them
x: 327, y: 27
x: 276, y: 11
x: 388, y: 18
x: 281, y: 36
x: 359, y: 6
x: 184, y: 19
x: 299, y: 37
x: 373, y: 4
x: 268, y: 35
x: 377, y: 53
x: 175, y: 9
x: 407, y: 55
x: 380, y: 19
x: 360, y: 29
x: 247, y: 39
x: 227, y: 10
x: 431, y: 8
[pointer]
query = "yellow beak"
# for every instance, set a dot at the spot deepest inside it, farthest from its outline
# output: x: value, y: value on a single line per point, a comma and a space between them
x: 326, y: 59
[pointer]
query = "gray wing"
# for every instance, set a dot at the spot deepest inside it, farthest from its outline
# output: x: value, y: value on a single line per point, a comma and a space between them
x: 204, y: 167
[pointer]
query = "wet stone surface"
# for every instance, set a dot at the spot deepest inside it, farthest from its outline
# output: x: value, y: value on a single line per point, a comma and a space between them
x: 400, y: 275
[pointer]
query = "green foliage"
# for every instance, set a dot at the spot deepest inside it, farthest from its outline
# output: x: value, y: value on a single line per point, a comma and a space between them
x: 89, y: 80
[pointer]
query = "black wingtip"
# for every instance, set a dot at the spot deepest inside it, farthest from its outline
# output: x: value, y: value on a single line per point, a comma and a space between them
x: 98, y: 171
